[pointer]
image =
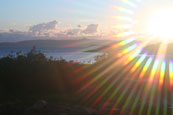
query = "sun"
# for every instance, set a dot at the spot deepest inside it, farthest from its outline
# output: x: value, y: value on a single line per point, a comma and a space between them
x: 160, y: 24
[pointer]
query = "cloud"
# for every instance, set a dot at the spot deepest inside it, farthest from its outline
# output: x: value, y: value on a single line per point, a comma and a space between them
x: 51, y: 30
x: 91, y: 29
x: 73, y: 32
x: 14, y: 24
x: 44, y: 27
x: 83, y: 31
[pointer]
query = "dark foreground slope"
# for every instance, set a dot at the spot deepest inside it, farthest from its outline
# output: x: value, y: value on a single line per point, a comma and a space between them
x: 32, y: 84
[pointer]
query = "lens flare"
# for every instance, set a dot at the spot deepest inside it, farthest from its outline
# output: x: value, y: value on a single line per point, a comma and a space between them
x: 128, y: 49
x: 125, y: 42
x: 145, y: 68
x: 122, y: 9
x: 162, y: 73
x: 161, y: 24
x: 139, y: 62
x: 171, y: 72
x: 137, y: 78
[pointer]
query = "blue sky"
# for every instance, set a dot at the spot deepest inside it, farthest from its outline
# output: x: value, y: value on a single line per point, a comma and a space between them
x: 20, y: 13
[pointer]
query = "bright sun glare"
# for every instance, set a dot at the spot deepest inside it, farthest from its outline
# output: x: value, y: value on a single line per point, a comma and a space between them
x: 161, y: 24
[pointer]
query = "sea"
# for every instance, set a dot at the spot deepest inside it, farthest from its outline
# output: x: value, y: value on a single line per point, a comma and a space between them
x: 76, y: 54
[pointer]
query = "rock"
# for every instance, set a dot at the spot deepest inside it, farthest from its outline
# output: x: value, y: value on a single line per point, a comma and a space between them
x: 42, y: 107
x: 92, y: 111
x: 9, y: 109
x: 79, y: 111
x: 40, y: 104
x: 64, y: 110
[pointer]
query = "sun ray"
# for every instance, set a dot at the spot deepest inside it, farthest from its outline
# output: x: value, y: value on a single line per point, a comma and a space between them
x: 121, y: 9
x: 129, y: 3
x: 112, y: 83
x: 84, y: 76
x: 122, y: 26
x: 137, y: 99
x: 114, y: 92
x: 162, y: 74
x: 122, y: 43
x: 145, y: 68
x: 116, y: 79
x: 123, y: 34
x: 123, y: 18
x: 139, y: 62
x: 129, y: 84
x: 171, y: 82
x: 149, y: 70
x: 160, y: 54
x: 131, y: 95
x: 171, y: 73
x: 107, y: 70
x: 129, y: 49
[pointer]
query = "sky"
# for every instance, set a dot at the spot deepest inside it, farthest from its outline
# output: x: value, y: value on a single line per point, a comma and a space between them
x: 19, y: 14
x: 72, y: 17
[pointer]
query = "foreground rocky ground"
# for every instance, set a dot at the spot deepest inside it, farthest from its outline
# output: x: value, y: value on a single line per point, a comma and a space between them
x: 43, y: 107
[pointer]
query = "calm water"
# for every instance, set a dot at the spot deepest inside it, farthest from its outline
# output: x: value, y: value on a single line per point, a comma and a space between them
x: 74, y: 54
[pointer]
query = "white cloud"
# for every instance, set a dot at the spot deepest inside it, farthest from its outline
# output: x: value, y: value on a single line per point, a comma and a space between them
x: 91, y: 29
x: 44, y: 27
x: 73, y: 32
x: 83, y: 31
x: 50, y: 30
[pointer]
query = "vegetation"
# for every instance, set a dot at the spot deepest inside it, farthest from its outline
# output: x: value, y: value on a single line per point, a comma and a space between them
x: 33, y: 75
x: 27, y: 78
